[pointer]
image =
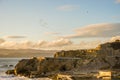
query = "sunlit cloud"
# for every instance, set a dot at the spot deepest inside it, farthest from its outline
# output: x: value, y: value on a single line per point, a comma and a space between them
x: 8, y: 45
x: 15, y: 37
x: 63, y: 44
x: 2, y: 40
x: 35, y: 45
x: 96, y: 30
x: 115, y: 38
x: 59, y: 44
x: 41, y: 43
x: 55, y: 43
x: 17, y: 45
x: 67, y: 7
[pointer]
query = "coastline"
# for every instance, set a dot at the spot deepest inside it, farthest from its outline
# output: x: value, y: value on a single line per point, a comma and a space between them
x: 79, y: 64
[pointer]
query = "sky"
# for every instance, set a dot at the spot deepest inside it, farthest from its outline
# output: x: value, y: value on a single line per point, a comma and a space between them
x: 58, y: 24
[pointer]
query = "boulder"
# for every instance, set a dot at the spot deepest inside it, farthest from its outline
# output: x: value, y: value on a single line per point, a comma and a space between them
x: 25, y: 66
x: 10, y: 72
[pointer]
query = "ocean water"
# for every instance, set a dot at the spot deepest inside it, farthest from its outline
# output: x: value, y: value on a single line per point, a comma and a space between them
x: 9, y: 63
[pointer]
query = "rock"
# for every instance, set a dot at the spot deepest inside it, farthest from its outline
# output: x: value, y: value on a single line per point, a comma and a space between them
x: 25, y: 66
x: 83, y: 54
x: 104, y: 57
x: 42, y: 67
x: 61, y: 77
x: 10, y: 72
x: 106, y: 49
x: 57, y: 65
x: 10, y: 65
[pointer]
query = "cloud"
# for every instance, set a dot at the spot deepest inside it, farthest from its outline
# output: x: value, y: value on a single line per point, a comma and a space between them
x: 2, y: 40
x: 41, y: 43
x: 67, y: 7
x: 35, y: 45
x: 82, y: 45
x: 59, y: 44
x: 96, y: 30
x: 15, y: 37
x: 26, y: 44
x: 17, y: 45
x: 117, y: 1
x: 55, y: 43
x: 8, y: 45
x: 115, y: 38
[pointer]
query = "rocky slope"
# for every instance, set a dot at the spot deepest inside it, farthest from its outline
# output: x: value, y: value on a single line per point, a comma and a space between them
x: 104, y: 57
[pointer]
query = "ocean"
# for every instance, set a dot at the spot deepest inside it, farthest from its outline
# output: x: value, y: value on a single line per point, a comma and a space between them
x: 9, y: 63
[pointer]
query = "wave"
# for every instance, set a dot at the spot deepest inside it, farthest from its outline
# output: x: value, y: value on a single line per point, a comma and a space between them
x: 6, y: 66
x: 20, y: 78
x: 4, y: 76
x: 9, y: 63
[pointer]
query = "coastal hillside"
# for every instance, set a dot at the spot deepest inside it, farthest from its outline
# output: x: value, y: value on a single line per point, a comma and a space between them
x: 13, y: 53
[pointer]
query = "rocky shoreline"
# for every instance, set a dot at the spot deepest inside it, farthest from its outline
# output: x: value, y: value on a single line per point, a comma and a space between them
x: 75, y: 64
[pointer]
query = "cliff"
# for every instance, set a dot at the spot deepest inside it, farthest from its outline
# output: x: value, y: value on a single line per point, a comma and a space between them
x: 107, y: 49
x: 83, y: 54
x: 104, y: 57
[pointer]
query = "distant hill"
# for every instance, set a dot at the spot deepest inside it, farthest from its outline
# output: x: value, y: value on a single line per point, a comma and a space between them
x: 25, y: 53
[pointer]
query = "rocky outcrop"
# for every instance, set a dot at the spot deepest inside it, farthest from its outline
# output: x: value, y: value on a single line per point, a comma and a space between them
x: 42, y: 67
x: 107, y: 49
x: 56, y: 65
x: 72, y: 62
x: 10, y: 72
x: 26, y: 66
x: 84, y: 54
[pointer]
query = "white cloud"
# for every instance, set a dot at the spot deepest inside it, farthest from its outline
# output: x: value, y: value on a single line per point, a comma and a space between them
x: 117, y: 1
x: 96, y: 30
x: 67, y: 7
